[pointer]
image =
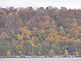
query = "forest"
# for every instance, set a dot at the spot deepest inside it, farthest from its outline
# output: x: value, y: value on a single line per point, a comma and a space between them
x: 46, y: 32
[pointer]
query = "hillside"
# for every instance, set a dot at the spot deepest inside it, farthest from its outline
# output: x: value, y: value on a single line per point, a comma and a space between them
x: 40, y: 32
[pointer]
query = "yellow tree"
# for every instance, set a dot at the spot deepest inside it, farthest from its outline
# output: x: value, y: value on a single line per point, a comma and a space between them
x: 54, y: 37
x: 25, y: 31
x: 20, y: 37
x: 33, y: 42
x: 50, y: 37
x: 21, y: 44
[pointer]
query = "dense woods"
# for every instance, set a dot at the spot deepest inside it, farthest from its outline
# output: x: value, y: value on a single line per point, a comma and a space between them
x: 40, y: 32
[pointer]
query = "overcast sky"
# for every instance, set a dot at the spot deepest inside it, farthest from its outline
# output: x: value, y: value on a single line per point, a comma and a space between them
x: 41, y: 3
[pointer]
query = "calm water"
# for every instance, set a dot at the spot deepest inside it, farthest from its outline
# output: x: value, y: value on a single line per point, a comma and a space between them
x: 40, y: 59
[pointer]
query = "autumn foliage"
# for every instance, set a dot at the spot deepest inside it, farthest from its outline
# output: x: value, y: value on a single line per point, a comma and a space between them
x: 40, y: 32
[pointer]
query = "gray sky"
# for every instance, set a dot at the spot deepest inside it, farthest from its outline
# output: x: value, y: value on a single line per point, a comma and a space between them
x: 41, y: 3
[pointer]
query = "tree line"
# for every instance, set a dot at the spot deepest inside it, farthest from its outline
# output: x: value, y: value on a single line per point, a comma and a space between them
x: 40, y: 32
